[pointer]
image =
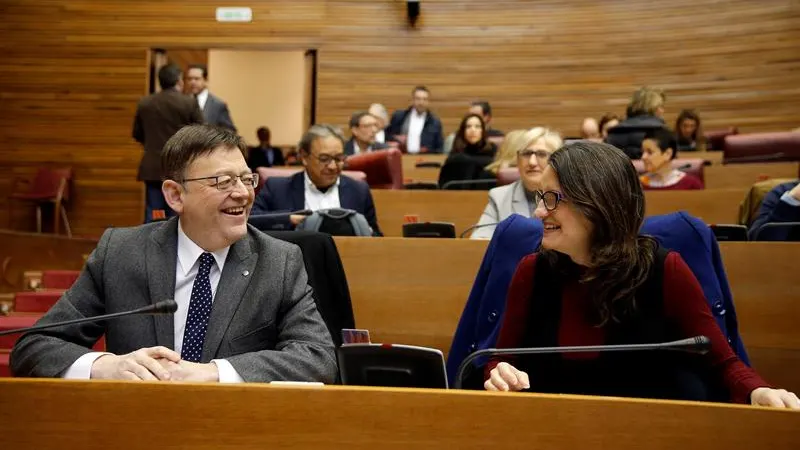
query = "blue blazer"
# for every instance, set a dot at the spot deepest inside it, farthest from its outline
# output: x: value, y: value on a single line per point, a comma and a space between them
x: 286, y: 194
x: 773, y: 209
x: 518, y: 236
x: 479, y: 326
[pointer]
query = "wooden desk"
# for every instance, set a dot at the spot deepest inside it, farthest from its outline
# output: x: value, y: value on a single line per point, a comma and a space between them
x: 426, y: 174
x: 745, y: 175
x: 42, y: 414
x: 427, y: 282
x: 464, y: 208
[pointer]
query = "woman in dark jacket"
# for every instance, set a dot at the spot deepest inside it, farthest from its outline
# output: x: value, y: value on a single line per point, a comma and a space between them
x: 471, y: 153
x: 645, y: 113
x: 596, y: 281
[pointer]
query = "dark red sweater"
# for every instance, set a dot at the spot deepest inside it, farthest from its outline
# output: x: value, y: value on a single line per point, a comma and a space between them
x: 687, y: 182
x: 684, y: 305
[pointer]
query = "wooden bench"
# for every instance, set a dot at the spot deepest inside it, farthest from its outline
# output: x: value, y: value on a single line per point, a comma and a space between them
x: 745, y: 175
x: 464, y: 208
x: 412, y: 291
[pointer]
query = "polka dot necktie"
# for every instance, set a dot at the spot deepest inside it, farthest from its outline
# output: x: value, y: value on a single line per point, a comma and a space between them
x: 199, y: 312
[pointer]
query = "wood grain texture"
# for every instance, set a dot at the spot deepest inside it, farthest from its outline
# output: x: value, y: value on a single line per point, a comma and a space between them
x: 73, y: 70
x: 43, y: 414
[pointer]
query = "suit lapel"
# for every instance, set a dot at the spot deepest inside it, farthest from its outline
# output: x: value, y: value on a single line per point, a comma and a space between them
x: 519, y: 203
x: 346, y: 200
x: 239, y: 269
x: 208, y: 104
x: 298, y: 191
x: 161, y: 261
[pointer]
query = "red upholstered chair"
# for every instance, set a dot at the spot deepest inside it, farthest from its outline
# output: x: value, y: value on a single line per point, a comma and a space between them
x: 715, y: 139
x: 59, y: 279
x: 507, y: 176
x: 35, y: 302
x: 49, y: 186
x: 5, y: 370
x: 692, y: 166
x: 755, y: 147
x: 384, y: 168
x: 11, y: 323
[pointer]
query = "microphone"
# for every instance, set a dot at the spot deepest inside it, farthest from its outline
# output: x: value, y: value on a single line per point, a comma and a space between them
x: 698, y: 344
x: 754, y: 158
x: 475, y: 227
x: 162, y: 307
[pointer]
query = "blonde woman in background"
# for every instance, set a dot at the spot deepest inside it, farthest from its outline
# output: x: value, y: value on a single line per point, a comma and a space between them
x: 645, y: 113
x: 531, y: 150
x: 507, y: 155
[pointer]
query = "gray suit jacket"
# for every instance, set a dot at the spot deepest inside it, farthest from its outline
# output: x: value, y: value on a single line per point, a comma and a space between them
x: 503, y: 202
x: 216, y: 112
x: 263, y: 320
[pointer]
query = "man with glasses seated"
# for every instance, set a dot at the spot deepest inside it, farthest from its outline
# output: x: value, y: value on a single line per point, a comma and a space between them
x: 320, y: 185
x: 363, y: 127
x: 519, y: 197
x: 245, y: 309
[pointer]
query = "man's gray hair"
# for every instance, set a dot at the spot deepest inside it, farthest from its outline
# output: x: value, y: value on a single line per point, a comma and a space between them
x: 318, y: 131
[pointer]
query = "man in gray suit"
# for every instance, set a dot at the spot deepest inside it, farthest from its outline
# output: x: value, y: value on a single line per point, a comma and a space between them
x: 158, y: 117
x: 214, y: 109
x: 245, y: 309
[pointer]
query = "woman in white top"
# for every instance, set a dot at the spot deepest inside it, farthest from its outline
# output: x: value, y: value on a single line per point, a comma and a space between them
x: 533, y: 150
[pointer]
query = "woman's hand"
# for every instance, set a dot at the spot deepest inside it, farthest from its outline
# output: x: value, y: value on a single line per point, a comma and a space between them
x: 777, y: 398
x: 506, y: 377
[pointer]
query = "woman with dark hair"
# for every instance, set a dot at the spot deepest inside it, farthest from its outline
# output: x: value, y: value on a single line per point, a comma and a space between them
x: 597, y: 281
x: 471, y: 153
x: 689, y: 131
x: 471, y: 137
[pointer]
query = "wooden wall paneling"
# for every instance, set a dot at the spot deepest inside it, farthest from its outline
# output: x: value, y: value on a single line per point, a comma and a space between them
x: 73, y: 70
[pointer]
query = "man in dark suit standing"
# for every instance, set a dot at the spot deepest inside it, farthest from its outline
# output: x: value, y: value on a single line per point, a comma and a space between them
x: 245, y: 310
x: 265, y: 155
x: 215, y: 110
x: 363, y: 127
x: 421, y: 128
x: 158, y: 117
x: 320, y: 185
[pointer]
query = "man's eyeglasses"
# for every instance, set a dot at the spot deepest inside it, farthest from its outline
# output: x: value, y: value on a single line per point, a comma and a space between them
x: 541, y: 155
x: 326, y: 159
x: 226, y: 182
x: 551, y: 199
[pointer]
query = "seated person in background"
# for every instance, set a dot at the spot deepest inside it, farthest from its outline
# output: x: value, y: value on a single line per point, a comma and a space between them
x: 645, y: 113
x: 590, y: 130
x: 421, y: 128
x: 321, y: 185
x: 689, y: 131
x: 506, y: 156
x: 596, y: 281
x: 471, y: 153
x: 658, y: 151
x: 382, y: 116
x: 483, y: 109
x: 265, y: 155
x: 363, y: 126
x: 781, y: 204
x: 607, y: 122
x: 532, y: 150
x: 263, y: 327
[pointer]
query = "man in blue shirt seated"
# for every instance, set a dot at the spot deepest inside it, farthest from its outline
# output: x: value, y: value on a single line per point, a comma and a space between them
x: 320, y: 185
x: 781, y: 204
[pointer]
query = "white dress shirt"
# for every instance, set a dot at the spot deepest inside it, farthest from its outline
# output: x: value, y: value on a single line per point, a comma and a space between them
x: 202, y: 97
x: 380, y: 136
x: 415, y: 125
x: 185, y: 274
x: 316, y: 199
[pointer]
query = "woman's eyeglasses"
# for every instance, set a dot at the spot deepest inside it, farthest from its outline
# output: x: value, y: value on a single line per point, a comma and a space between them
x: 541, y: 155
x: 550, y: 199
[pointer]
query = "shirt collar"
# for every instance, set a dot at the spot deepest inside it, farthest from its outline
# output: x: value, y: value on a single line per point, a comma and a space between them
x: 311, y: 186
x: 416, y: 114
x: 189, y: 253
x: 203, y: 94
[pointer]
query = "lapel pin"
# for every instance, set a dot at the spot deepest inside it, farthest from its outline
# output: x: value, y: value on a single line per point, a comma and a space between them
x: 246, y: 273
